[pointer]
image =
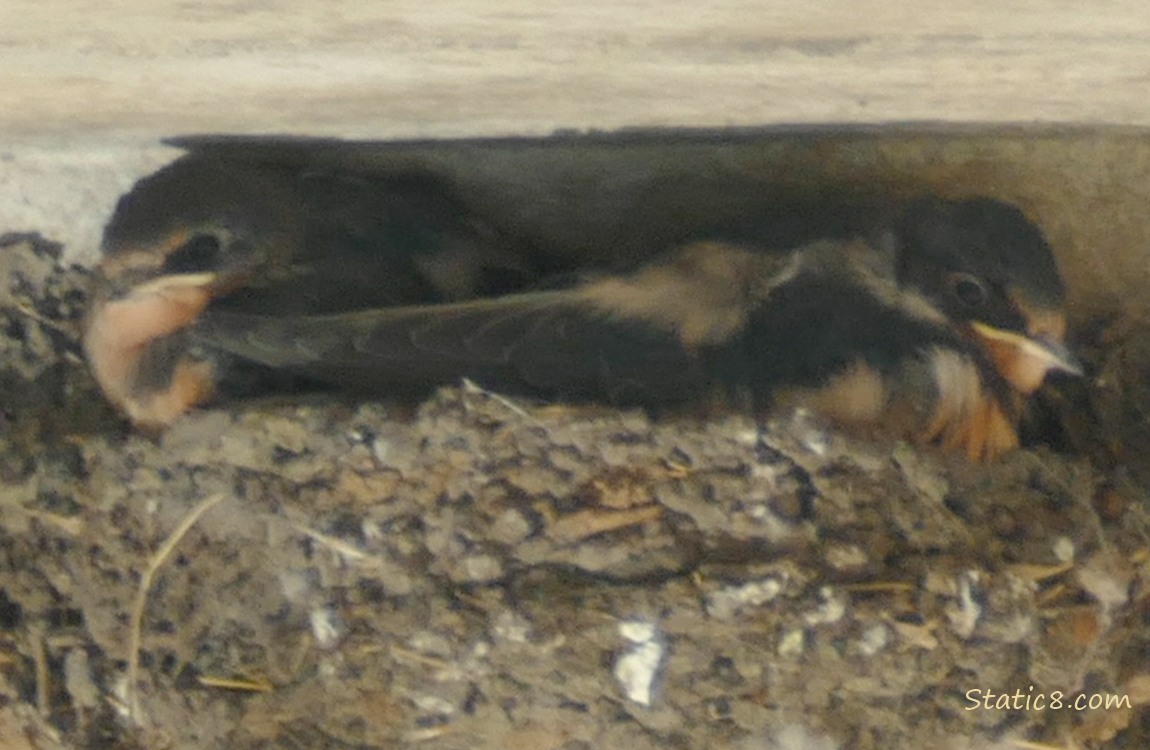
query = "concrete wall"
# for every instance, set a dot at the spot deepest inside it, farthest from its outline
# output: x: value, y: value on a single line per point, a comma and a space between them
x: 411, y: 68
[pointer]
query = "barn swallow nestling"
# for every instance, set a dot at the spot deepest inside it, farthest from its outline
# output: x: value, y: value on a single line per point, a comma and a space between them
x: 204, y: 231
x: 937, y: 329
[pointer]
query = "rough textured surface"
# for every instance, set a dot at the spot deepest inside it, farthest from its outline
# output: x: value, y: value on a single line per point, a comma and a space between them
x: 479, y: 572
x: 390, y: 583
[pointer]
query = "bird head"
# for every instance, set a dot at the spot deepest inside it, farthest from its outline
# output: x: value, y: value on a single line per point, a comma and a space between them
x: 992, y: 273
x: 180, y: 238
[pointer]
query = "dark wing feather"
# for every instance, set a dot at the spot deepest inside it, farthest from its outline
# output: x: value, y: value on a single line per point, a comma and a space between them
x: 706, y: 317
x: 550, y: 343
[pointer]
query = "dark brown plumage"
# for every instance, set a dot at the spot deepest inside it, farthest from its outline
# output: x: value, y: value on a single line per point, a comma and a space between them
x: 935, y: 324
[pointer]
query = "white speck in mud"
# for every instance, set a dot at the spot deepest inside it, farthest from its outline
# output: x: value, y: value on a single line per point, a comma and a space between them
x: 372, y: 531
x: 1107, y: 578
x: 831, y: 609
x: 482, y: 568
x: 792, y: 642
x: 381, y: 450
x: 325, y: 626
x: 725, y: 603
x: 747, y: 438
x: 637, y: 631
x: 433, y: 704
x: 965, y: 613
x: 812, y: 436
x: 791, y: 737
x: 637, y: 669
x: 511, y: 627
x: 817, y: 443
x: 846, y: 557
x: 78, y: 680
x: 874, y: 639
x: 119, y: 697
x: 1064, y: 549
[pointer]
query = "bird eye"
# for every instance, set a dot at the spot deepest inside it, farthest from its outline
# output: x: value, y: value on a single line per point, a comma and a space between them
x: 200, y: 253
x: 967, y: 289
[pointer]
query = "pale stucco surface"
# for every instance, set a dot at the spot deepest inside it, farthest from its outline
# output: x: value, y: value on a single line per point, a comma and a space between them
x: 88, y: 88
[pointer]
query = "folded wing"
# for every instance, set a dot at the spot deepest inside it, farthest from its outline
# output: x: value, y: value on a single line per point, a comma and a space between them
x: 549, y: 343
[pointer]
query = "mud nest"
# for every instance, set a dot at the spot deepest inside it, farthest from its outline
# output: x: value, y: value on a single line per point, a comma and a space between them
x: 477, y: 571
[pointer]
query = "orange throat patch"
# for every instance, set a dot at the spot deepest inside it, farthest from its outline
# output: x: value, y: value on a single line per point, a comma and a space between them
x: 966, y: 417
x: 118, y: 334
x: 1023, y: 361
x: 955, y: 413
